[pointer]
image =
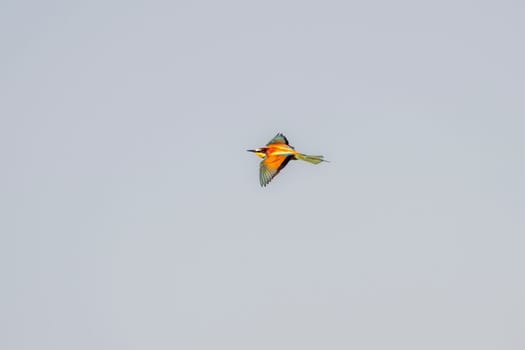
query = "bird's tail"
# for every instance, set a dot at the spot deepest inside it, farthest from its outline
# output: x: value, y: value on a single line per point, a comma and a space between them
x: 310, y: 159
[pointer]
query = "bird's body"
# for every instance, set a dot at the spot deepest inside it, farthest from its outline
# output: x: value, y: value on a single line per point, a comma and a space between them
x: 276, y: 154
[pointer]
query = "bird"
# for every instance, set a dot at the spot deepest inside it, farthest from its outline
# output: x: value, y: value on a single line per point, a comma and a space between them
x: 276, y: 155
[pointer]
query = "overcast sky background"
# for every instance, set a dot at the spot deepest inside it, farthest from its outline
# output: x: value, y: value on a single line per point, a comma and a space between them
x: 132, y: 216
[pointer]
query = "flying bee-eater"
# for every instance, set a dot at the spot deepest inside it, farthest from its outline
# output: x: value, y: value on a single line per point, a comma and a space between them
x: 276, y: 155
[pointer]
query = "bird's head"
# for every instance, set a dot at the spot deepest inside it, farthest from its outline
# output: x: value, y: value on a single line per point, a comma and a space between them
x: 261, y: 152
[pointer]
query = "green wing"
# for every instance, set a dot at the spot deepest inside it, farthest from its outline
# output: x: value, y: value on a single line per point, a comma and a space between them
x: 279, y: 138
x: 270, y: 167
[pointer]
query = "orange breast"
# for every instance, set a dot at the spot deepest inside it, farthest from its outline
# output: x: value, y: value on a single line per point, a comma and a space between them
x: 280, y: 150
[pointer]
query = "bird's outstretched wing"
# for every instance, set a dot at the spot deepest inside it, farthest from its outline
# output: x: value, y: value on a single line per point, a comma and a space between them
x: 270, y: 167
x: 278, y: 139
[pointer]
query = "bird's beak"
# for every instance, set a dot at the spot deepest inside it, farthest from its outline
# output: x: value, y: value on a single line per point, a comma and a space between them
x: 251, y: 150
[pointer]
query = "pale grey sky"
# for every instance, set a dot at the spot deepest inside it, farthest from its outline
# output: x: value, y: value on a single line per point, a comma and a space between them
x: 133, y: 217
